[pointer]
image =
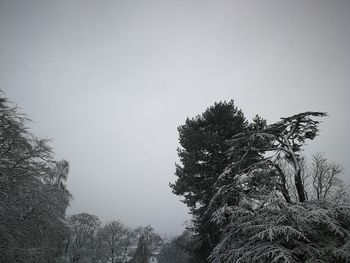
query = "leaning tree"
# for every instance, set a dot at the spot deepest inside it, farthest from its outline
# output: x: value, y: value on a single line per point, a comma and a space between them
x: 279, y: 141
x: 265, y: 224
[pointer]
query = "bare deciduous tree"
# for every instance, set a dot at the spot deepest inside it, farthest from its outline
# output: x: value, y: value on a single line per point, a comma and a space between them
x: 114, y: 234
x: 325, y: 177
x: 83, y: 229
x: 148, y: 242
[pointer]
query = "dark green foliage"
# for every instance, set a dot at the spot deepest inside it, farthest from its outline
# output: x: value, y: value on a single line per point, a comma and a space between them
x: 203, y: 151
x: 204, y: 158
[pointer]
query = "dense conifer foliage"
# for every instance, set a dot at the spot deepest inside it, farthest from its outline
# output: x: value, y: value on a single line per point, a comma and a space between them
x: 283, y: 232
x: 203, y: 156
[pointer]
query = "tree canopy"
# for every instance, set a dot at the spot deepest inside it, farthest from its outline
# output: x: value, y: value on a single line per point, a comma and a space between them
x: 33, y: 193
x: 252, y: 194
x: 203, y: 156
x: 266, y: 224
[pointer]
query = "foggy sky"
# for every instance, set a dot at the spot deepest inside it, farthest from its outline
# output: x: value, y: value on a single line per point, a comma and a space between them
x: 110, y: 81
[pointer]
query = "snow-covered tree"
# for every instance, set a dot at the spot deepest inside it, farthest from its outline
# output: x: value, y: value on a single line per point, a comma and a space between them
x: 266, y: 223
x: 284, y: 233
x: 281, y: 140
x: 33, y: 194
x: 116, y: 238
x: 83, y: 229
x: 203, y: 156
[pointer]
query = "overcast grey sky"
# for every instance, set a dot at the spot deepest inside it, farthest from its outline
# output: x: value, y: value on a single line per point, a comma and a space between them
x: 110, y: 81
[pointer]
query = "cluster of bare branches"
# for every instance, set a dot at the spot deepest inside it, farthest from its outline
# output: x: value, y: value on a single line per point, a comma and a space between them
x: 111, y: 242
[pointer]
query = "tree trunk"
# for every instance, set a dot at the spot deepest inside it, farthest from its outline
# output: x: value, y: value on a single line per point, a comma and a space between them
x: 299, y: 185
x: 297, y: 177
x: 282, y: 185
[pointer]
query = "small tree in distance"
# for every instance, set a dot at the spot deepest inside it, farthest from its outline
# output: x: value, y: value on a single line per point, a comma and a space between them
x: 325, y: 176
x: 148, y: 243
x: 83, y: 230
x: 117, y: 239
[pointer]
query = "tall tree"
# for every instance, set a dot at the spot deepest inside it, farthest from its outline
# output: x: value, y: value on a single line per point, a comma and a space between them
x: 203, y: 155
x: 33, y: 195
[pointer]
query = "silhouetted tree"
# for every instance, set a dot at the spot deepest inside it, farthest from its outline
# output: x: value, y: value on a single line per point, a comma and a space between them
x: 204, y: 158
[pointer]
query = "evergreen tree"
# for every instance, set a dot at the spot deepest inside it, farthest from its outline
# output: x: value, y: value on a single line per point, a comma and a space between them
x: 204, y: 158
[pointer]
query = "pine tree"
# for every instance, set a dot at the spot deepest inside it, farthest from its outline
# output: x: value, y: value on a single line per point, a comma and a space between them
x: 204, y: 158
